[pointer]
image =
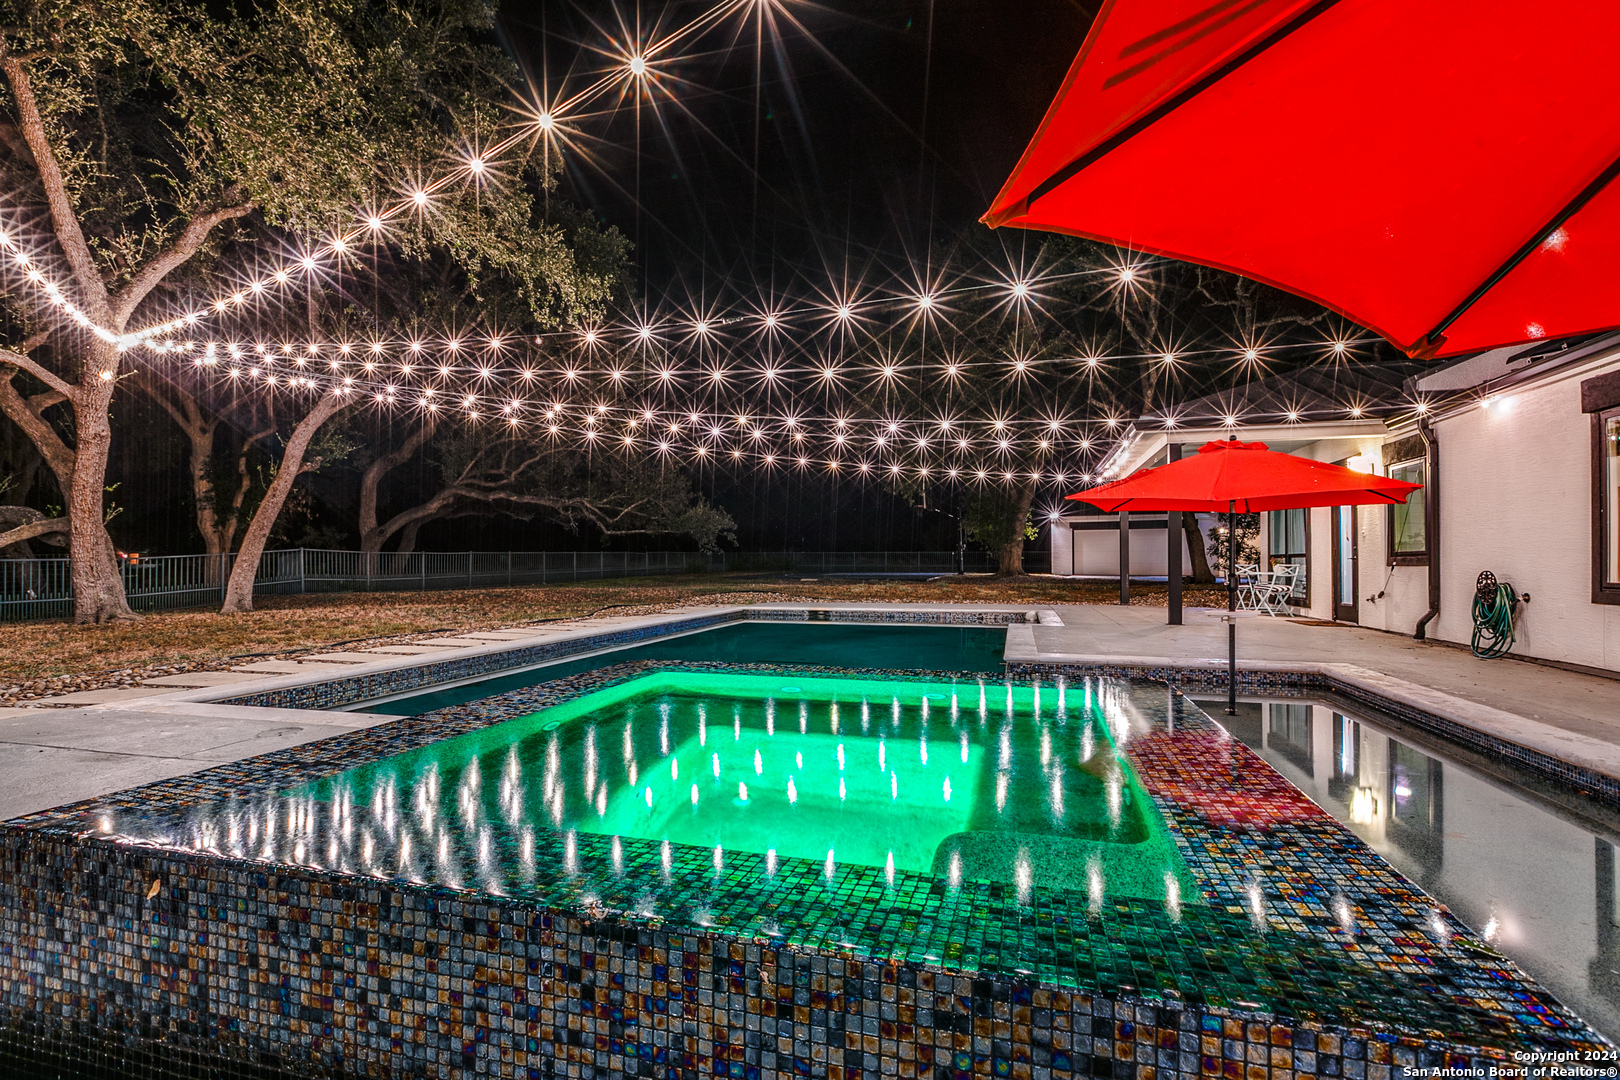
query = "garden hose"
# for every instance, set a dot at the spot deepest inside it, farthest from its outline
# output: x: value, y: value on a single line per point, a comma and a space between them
x: 1494, y: 604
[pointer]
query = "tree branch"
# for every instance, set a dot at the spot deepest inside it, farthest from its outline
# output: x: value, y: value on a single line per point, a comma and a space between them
x: 184, y: 247
x: 42, y: 527
x: 68, y: 231
x: 38, y: 371
x: 56, y: 453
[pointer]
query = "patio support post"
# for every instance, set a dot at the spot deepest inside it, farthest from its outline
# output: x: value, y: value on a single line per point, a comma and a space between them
x: 1231, y: 607
x: 1124, y: 557
x: 1172, y: 530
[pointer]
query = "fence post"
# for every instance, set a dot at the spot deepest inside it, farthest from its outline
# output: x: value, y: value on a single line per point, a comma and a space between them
x: 421, y: 560
x: 574, y: 555
x: 469, y: 569
x: 509, y: 568
x: 302, y: 588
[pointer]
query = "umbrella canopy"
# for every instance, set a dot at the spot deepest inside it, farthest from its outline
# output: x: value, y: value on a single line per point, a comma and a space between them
x: 1246, y: 477
x: 1440, y: 171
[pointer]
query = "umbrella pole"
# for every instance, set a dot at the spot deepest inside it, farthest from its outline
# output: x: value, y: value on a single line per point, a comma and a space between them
x: 1231, y: 607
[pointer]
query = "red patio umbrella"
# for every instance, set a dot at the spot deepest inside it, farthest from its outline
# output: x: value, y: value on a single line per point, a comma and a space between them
x: 1243, y: 478
x: 1441, y: 172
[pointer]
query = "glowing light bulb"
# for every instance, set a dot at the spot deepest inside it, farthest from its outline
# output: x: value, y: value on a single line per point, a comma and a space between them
x: 638, y: 66
x: 545, y: 121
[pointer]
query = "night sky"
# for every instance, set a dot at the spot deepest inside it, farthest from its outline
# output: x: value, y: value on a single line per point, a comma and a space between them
x: 881, y: 124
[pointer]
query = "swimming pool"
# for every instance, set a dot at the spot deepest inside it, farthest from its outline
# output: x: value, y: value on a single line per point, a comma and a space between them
x: 1534, y: 877
x: 955, y: 782
x: 281, y: 908
x: 891, y: 646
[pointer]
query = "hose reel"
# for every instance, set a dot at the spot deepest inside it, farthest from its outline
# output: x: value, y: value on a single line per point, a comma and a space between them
x: 1495, y: 604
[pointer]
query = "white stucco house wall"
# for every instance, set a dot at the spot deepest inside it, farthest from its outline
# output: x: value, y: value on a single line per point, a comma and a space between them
x: 1519, y: 447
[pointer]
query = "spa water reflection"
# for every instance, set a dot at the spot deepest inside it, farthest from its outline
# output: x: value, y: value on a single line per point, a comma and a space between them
x: 1535, y: 883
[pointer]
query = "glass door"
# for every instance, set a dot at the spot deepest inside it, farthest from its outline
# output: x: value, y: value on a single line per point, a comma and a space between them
x: 1344, y: 564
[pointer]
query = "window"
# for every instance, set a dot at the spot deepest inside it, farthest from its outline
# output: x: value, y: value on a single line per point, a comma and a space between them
x: 1287, y: 539
x: 1408, y: 522
x: 1606, y: 507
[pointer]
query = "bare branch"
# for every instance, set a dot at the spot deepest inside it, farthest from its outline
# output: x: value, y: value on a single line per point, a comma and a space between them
x: 184, y: 247
x: 68, y: 232
x: 56, y: 453
x: 43, y: 527
x: 38, y: 371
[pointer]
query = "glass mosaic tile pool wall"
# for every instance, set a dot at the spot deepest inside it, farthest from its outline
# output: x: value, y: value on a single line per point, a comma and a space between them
x: 1301, y: 951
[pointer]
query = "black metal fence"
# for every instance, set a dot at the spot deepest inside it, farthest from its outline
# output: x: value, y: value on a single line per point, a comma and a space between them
x: 42, y: 589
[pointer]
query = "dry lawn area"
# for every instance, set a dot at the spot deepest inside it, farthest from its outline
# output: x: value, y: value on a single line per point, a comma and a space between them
x: 49, y: 651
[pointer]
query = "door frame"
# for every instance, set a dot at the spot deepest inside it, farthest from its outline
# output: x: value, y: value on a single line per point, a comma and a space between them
x: 1346, y: 610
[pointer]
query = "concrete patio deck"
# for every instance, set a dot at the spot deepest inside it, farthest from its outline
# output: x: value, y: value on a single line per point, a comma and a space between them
x: 49, y: 756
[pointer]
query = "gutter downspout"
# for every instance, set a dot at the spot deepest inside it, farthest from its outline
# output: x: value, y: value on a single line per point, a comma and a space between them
x: 1431, y: 524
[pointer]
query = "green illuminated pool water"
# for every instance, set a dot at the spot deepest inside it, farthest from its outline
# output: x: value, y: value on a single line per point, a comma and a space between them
x: 958, y: 782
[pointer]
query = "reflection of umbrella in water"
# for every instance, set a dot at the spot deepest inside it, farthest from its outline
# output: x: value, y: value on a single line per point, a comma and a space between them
x: 1243, y: 478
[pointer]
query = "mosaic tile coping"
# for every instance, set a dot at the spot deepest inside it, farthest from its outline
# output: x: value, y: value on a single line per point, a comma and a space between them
x: 1304, y: 929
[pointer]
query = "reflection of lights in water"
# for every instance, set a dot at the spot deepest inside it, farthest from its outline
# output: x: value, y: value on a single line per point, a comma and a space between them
x: 882, y: 751
x: 894, y: 711
x: 770, y: 861
x: 888, y: 869
x: 1342, y: 912
x: 894, y: 786
x: 1088, y: 744
x: 742, y: 792
x: 833, y: 721
x: 703, y: 726
x: 365, y: 850
x: 1115, y: 798
x: 1009, y: 701
x: 1094, y: 884
x: 1023, y: 875
x: 798, y: 759
x: 983, y: 710
x: 866, y: 716
x: 648, y: 795
x: 759, y: 764
x: 1001, y: 791
x: 570, y: 853
x: 947, y: 789
x: 963, y: 743
x: 694, y: 794
x: 1005, y: 748
x: 719, y: 859
x: 736, y: 730
x: 1063, y: 689
x: 601, y: 800
x: 632, y: 774
x: 714, y: 765
x: 674, y: 768
x: 1172, y: 896
x: 792, y: 791
x: 953, y: 875
x: 804, y: 717
x: 618, y: 856
x: 925, y: 708
x: 663, y: 730
x: 1057, y: 794
x: 1492, y: 930
x: 1257, y: 905
x: 956, y: 708
x: 1438, y: 927
x: 666, y: 857
x: 590, y: 758
x: 332, y: 851
x: 483, y: 845
x: 405, y: 853
x: 629, y: 742
x: 841, y: 791
x: 1046, y: 748
x: 922, y: 750
x: 770, y: 716
x: 107, y: 826
x: 528, y: 850
x: 840, y: 757
x: 831, y: 867
x: 1363, y: 806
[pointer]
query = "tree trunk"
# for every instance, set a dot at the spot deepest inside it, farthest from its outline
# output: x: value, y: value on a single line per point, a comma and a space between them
x: 98, y: 585
x: 372, y: 538
x: 1201, y: 573
x: 1010, y: 556
x: 239, y: 589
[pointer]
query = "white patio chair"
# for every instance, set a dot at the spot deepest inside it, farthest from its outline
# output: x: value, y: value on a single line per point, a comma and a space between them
x: 1271, y: 595
x: 1248, y: 577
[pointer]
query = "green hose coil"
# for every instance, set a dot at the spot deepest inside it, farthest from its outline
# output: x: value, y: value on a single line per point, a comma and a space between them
x: 1493, y: 621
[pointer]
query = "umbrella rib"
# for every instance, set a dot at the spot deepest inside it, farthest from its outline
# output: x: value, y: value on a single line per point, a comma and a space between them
x: 1434, y: 338
x: 1146, y: 120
